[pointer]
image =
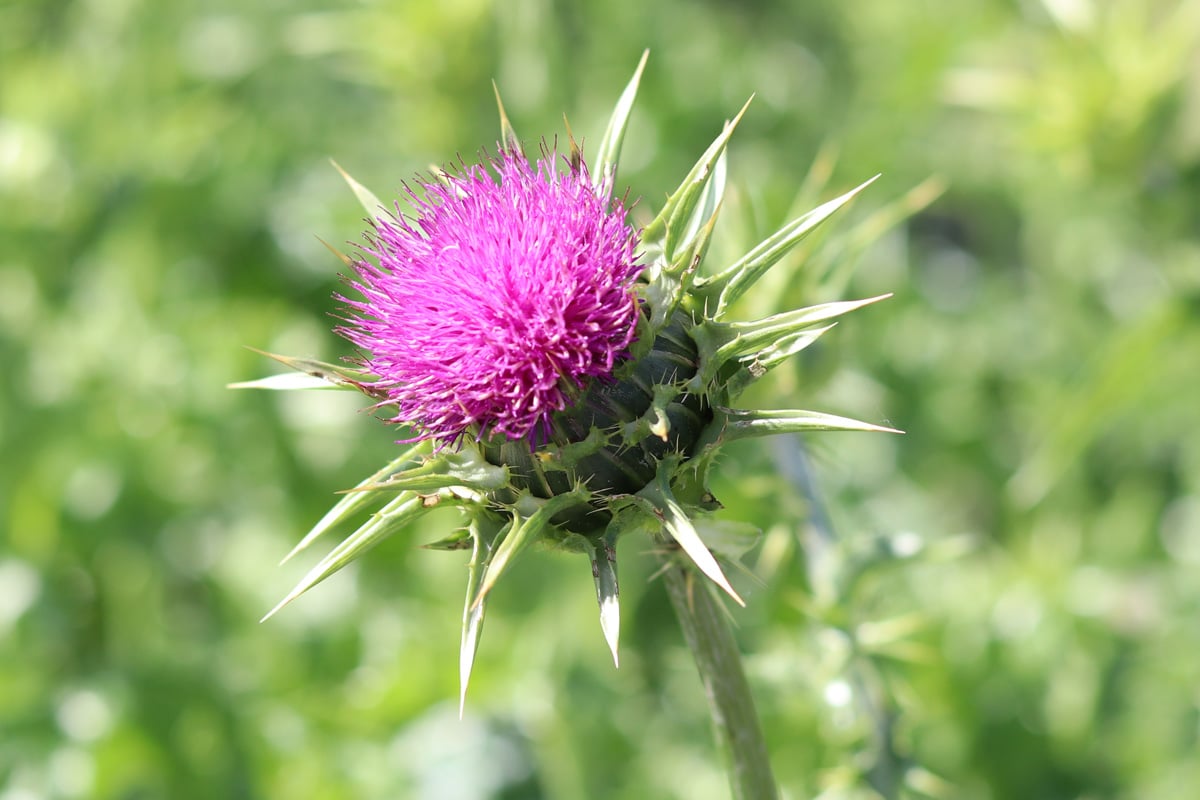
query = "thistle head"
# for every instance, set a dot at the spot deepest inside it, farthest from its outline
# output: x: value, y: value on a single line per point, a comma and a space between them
x: 586, y: 375
x: 508, y: 290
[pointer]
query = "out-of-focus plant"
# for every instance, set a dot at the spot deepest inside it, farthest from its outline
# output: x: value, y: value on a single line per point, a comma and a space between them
x: 163, y: 168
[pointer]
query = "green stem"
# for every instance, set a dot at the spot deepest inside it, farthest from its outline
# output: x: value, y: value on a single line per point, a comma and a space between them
x: 710, y: 638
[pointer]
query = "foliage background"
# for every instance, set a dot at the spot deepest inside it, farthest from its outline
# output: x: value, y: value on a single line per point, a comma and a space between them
x: 1001, y: 604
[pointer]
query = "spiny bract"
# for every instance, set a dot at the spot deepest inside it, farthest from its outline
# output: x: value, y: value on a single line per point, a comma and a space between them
x: 565, y: 380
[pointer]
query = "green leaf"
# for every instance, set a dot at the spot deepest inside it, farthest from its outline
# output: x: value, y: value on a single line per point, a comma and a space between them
x: 467, y: 468
x: 721, y: 290
x: 666, y: 293
x: 603, y: 554
x: 288, y: 381
x: 608, y: 154
x: 365, y: 196
x: 665, y: 232
x: 756, y: 365
x: 484, y: 531
x: 339, y: 377
x: 680, y: 527
x: 706, y: 210
x: 675, y: 240
x: 766, y: 341
x: 732, y: 424
x: 527, y: 528
x: 353, y: 503
x: 393, y: 517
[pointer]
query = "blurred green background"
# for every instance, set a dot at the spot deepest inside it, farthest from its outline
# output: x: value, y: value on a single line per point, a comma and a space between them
x: 1003, y: 603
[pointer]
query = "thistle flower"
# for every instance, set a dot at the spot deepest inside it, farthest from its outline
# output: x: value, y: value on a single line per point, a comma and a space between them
x: 498, y: 302
x: 567, y: 381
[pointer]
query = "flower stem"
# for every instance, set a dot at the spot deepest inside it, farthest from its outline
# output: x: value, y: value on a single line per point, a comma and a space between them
x: 708, y: 634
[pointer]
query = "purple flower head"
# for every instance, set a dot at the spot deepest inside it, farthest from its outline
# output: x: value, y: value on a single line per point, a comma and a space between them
x: 500, y: 299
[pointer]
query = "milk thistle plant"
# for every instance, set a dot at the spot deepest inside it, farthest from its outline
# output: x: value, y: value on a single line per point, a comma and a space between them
x: 566, y: 380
